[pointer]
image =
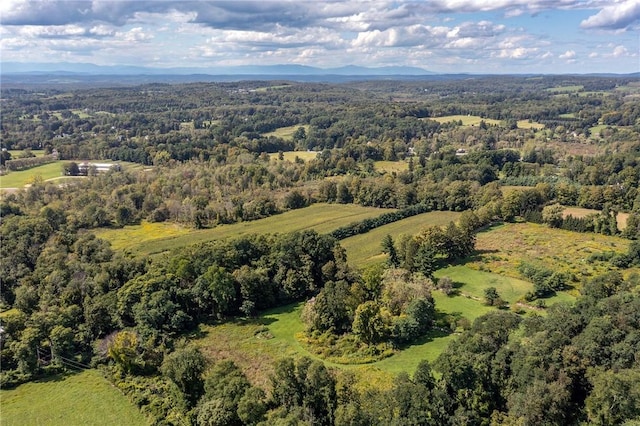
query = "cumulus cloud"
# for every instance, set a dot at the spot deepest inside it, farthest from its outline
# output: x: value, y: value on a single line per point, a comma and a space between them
x: 569, y: 54
x: 615, y: 16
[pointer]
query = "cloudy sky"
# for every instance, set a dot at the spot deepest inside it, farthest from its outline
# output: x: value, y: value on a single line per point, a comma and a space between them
x: 475, y: 36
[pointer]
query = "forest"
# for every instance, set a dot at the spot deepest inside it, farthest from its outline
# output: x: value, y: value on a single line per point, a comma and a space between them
x: 556, y: 154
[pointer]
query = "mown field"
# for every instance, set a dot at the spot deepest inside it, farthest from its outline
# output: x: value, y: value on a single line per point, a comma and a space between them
x: 20, y: 178
x: 78, y: 399
x: 467, y: 120
x: 153, y: 238
x: 50, y: 171
x: 366, y: 249
x: 579, y: 212
x: 287, y: 132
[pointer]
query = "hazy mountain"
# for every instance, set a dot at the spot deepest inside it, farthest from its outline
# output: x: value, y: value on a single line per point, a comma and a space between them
x: 66, y: 68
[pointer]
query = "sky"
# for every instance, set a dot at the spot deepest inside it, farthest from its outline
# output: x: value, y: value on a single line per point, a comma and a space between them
x: 444, y: 36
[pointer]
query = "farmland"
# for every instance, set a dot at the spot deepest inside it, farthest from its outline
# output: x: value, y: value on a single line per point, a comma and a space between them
x: 148, y: 238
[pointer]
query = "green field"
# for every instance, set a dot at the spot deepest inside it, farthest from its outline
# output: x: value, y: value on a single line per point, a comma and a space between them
x: 148, y: 238
x: 20, y: 178
x: 287, y: 132
x: 255, y: 346
x: 467, y: 120
x: 16, y: 153
x: 291, y: 155
x: 79, y: 399
x: 50, y: 171
x: 390, y: 166
x: 365, y: 249
x: 565, y: 89
x: 527, y: 124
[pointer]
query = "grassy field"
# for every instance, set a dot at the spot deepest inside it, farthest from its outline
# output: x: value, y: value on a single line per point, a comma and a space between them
x: 287, y: 132
x: 504, y: 247
x: 467, y: 120
x: 581, y: 212
x: 50, y: 171
x: 255, y: 345
x: 20, y: 178
x: 16, y: 153
x: 80, y: 399
x: 565, y: 89
x: 145, y: 239
x: 526, y: 124
x: 390, y: 166
x: 365, y: 249
x: 291, y: 155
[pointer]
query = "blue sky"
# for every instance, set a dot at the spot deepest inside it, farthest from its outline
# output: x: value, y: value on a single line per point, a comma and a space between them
x: 448, y: 36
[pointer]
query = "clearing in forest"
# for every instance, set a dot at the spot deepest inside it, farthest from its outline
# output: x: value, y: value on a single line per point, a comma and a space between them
x: 291, y: 155
x: 467, y: 120
x: 287, y: 132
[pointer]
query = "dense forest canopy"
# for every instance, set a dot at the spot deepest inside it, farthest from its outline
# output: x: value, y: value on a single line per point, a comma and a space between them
x: 203, y: 155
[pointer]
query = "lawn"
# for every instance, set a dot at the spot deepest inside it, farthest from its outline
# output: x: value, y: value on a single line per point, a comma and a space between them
x: 79, y: 399
x: 471, y: 282
x: 20, y: 178
x: 365, y: 249
x: 145, y: 239
x: 467, y: 120
x: 16, y: 153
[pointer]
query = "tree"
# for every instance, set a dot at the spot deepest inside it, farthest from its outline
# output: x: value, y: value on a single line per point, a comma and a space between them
x: 491, y: 296
x: 615, y: 397
x: 389, y: 248
x: 218, y: 290
x: 123, y: 349
x: 369, y: 323
x: 552, y: 215
x: 185, y: 367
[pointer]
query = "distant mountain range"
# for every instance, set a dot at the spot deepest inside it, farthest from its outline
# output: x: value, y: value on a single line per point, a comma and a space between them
x: 67, y: 68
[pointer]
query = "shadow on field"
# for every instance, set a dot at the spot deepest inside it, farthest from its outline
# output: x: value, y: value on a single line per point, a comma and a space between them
x: 429, y: 337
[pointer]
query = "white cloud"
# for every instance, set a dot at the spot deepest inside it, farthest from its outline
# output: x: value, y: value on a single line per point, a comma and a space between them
x: 618, y: 15
x: 620, y: 51
x: 569, y: 54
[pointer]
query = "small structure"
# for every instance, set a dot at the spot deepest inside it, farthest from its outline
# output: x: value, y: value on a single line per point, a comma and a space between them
x: 88, y: 168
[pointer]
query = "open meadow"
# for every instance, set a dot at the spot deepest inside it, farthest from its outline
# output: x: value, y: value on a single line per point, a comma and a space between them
x: 467, y: 120
x: 287, y: 132
x: 504, y: 247
x: 152, y: 238
x: 80, y: 399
